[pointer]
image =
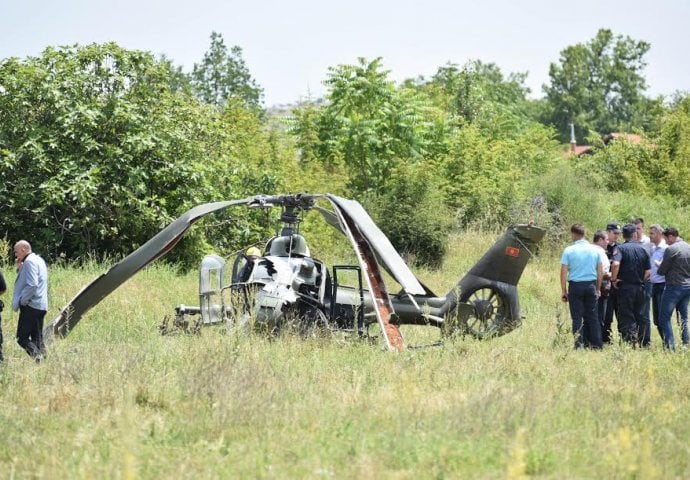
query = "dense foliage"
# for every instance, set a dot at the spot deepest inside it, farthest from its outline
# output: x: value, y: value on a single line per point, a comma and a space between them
x: 222, y: 75
x: 599, y: 86
x: 100, y: 147
x: 98, y: 153
x: 658, y: 165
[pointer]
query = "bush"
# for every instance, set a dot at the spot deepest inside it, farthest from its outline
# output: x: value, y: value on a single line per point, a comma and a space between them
x: 98, y: 153
x: 484, y: 178
x: 565, y: 196
x: 413, y: 215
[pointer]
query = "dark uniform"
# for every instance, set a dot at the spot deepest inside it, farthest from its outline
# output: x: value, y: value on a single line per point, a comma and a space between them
x: 633, y: 323
x: 612, y: 303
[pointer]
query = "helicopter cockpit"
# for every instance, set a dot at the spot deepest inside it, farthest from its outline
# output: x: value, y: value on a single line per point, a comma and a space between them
x: 288, y: 246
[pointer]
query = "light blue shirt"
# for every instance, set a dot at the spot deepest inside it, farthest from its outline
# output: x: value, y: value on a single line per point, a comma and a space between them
x: 657, y: 255
x: 31, y: 286
x: 582, y: 259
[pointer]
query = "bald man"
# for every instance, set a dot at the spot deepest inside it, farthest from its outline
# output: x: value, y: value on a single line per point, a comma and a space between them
x: 30, y: 298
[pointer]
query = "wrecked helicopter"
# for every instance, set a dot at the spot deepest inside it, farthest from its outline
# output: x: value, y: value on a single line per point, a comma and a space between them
x: 282, y: 281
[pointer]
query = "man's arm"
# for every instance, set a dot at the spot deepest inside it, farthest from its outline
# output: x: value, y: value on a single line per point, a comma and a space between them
x: 30, y: 269
x: 564, y: 282
x: 600, y: 277
x: 648, y: 268
x: 615, y: 266
x: 665, y: 265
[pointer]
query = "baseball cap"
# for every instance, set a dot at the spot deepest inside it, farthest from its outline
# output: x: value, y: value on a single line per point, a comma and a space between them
x: 629, y: 229
x: 613, y: 227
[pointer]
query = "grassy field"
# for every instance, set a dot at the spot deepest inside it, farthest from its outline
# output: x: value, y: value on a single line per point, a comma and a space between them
x: 117, y: 400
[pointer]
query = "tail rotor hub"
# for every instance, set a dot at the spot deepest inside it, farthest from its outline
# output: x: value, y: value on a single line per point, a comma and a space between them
x: 484, y: 309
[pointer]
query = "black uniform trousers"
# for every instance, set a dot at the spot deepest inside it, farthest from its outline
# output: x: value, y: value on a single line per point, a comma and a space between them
x: 30, y: 330
x: 633, y: 323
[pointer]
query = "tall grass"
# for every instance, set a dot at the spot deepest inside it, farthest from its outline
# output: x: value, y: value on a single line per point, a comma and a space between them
x: 117, y: 400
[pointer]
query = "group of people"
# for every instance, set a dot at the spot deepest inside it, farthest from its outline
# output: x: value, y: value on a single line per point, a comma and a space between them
x: 29, y: 298
x: 607, y: 278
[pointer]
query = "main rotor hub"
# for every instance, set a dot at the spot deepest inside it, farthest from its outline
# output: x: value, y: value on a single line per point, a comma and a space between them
x: 290, y: 216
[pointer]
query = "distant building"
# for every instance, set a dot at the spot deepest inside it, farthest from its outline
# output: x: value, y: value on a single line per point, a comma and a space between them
x: 579, y: 150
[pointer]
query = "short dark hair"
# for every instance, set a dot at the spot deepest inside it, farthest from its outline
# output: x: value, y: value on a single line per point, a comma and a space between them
x: 599, y: 235
x: 638, y: 221
x: 628, y: 231
x: 578, y: 229
x: 670, y: 231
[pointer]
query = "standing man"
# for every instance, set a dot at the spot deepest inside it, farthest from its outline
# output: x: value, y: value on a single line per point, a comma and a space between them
x: 599, y: 241
x: 646, y: 243
x: 581, y: 271
x: 629, y: 272
x: 658, y: 281
x: 676, y: 268
x: 613, y: 231
x: 31, y: 299
x: 641, y: 237
x: 3, y: 289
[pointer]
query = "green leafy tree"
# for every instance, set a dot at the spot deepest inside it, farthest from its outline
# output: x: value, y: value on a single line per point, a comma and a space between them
x: 98, y: 152
x: 479, y: 93
x: 223, y: 74
x: 674, y: 151
x: 599, y: 86
x: 484, y: 178
x: 658, y: 165
x: 368, y: 125
x: 496, y: 142
x: 179, y: 81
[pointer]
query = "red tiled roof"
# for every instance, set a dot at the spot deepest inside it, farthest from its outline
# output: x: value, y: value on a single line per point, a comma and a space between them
x: 608, y: 138
x: 631, y: 137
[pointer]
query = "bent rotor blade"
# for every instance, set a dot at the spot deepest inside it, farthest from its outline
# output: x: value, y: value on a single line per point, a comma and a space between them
x: 98, y: 289
x: 330, y: 218
x: 385, y: 252
x: 382, y: 304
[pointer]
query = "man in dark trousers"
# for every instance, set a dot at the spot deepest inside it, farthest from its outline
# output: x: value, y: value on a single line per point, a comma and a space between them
x: 30, y: 298
x: 630, y: 270
x: 658, y: 281
x: 675, y: 267
x: 581, y: 276
x: 613, y: 231
x: 3, y: 289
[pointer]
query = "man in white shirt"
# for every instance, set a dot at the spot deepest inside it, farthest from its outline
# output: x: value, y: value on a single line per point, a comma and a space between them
x: 658, y: 281
x: 600, y: 241
x: 641, y: 237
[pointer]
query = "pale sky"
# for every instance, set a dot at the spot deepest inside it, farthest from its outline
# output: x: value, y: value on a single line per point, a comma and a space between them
x: 289, y: 45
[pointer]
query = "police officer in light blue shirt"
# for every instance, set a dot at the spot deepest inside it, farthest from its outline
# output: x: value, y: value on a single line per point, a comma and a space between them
x: 581, y: 277
x: 30, y: 298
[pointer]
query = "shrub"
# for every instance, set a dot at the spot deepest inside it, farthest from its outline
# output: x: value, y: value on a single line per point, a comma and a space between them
x: 413, y: 215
